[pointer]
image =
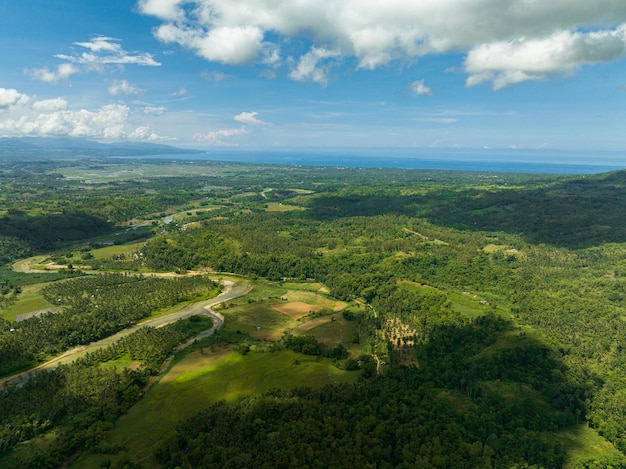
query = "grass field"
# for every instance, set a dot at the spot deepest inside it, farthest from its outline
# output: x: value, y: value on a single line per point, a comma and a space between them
x: 29, y: 300
x: 34, y: 263
x: 246, y: 318
x: 314, y: 299
x: 201, y: 379
x: 278, y: 207
x: 116, y: 250
x: 329, y: 332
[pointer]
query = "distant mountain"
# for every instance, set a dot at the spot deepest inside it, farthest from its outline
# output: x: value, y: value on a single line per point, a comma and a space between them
x: 63, y: 147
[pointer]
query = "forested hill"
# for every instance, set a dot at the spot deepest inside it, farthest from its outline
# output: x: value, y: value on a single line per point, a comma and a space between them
x: 43, y: 232
x: 575, y: 212
x: 18, y: 149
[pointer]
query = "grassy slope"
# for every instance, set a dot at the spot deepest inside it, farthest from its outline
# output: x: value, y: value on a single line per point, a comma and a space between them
x: 202, y: 378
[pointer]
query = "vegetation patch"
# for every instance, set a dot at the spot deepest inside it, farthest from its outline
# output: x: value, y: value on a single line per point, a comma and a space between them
x: 203, y: 378
x: 279, y: 207
x: 116, y: 251
x: 296, y: 309
x: 27, y: 301
x: 330, y: 332
x: 260, y: 321
x: 314, y: 299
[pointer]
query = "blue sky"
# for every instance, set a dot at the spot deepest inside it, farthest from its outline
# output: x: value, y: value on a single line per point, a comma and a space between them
x: 466, y: 74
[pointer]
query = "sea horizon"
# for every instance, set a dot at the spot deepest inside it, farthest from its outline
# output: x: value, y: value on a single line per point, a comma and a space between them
x: 501, y: 161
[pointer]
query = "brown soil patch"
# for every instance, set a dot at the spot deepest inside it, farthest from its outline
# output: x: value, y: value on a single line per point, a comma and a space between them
x: 296, y: 309
x: 314, y: 298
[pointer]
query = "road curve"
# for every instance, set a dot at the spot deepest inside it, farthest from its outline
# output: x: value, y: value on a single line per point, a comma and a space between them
x: 232, y: 290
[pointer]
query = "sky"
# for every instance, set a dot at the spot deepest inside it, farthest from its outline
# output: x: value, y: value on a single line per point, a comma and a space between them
x: 445, y: 74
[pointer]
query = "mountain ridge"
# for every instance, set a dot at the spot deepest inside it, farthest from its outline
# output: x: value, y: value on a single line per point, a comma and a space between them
x: 57, y: 147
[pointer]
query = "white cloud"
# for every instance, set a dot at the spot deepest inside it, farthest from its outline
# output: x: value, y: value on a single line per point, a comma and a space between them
x: 100, y: 52
x: 145, y: 133
x: 164, y: 9
x: 107, y: 122
x: 123, y: 87
x: 565, y: 34
x: 249, y: 118
x: 229, y: 45
x: 52, y: 117
x: 508, y: 62
x: 50, y: 105
x: 10, y: 97
x: 420, y: 89
x: 62, y: 72
x: 104, y: 50
x: 217, y: 137
x: 309, y: 68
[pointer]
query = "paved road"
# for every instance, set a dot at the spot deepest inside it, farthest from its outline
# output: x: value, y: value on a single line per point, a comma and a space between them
x: 233, y: 289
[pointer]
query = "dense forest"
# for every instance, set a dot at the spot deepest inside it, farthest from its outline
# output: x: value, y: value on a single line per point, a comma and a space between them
x: 488, y: 314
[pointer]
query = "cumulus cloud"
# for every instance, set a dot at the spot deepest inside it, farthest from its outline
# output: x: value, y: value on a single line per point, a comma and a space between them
x: 145, y: 133
x: 507, y: 62
x: 50, y: 105
x: 107, y: 122
x: 311, y: 67
x: 164, y: 9
x: 420, y: 89
x: 123, y: 87
x: 249, y: 118
x: 52, y: 117
x: 62, y: 72
x: 566, y: 34
x: 10, y: 97
x: 218, y: 137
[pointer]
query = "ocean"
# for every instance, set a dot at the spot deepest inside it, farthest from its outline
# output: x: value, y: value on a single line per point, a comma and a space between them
x: 502, y: 162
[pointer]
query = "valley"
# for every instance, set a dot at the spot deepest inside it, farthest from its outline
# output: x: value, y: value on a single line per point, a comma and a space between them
x: 420, y: 318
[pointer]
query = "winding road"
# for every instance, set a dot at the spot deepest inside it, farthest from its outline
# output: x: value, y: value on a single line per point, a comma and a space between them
x: 233, y: 289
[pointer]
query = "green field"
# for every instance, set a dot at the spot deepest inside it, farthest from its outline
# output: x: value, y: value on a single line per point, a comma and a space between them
x: 117, y: 250
x: 279, y: 207
x: 28, y: 300
x: 329, y: 332
x: 199, y: 380
x: 246, y: 319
